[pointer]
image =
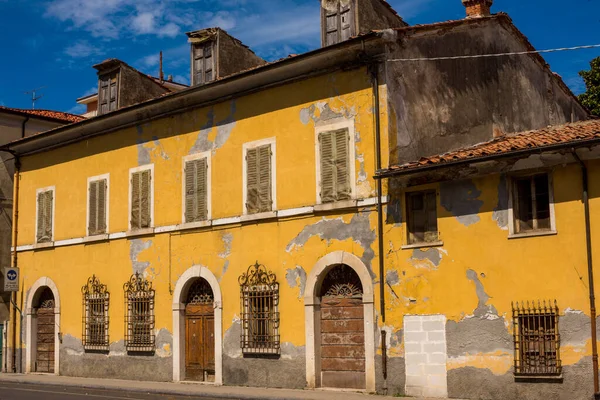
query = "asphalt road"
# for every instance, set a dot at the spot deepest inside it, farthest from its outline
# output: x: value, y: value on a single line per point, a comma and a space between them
x: 22, y: 391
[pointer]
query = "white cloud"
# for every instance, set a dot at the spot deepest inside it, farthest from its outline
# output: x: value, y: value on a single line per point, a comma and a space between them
x: 223, y: 20
x: 143, y: 23
x: 78, y: 109
x: 82, y: 49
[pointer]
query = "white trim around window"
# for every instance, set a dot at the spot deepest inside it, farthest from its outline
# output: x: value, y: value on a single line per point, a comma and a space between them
x: 107, y: 206
x: 512, y: 234
x: 340, y: 124
x: 251, y: 145
x: 37, y: 193
x: 149, y: 167
x: 192, y: 157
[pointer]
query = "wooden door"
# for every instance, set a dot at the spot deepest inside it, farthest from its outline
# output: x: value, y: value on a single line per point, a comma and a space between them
x: 45, y: 340
x: 200, y: 342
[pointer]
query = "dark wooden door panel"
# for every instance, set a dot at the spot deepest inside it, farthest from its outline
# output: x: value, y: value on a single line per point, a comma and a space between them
x: 200, y: 342
x: 45, y: 340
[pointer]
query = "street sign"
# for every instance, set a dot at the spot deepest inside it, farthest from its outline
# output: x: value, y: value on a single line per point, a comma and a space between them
x: 11, y: 279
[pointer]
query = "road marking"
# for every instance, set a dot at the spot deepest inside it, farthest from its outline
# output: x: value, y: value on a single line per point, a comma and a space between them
x: 74, y: 393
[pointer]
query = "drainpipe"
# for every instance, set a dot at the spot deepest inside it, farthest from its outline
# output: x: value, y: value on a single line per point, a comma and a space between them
x: 588, y: 242
x: 376, y: 110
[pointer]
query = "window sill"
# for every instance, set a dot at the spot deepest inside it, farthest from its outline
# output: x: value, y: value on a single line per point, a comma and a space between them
x: 257, y: 216
x: 194, y: 225
x: 336, y: 205
x: 43, y: 245
x: 95, y: 238
x: 437, y: 243
x: 531, y: 234
x: 139, y: 232
x: 539, y: 378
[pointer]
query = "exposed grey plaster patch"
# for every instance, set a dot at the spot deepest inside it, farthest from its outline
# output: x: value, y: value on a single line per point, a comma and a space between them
x: 227, y: 239
x: 476, y: 335
x: 231, y: 340
x: 225, y: 127
x: 164, y: 343
x: 157, y: 143
x: 432, y: 254
x: 358, y: 229
x: 306, y: 113
x: 394, y: 212
x: 500, y: 213
x: 72, y: 345
x: 296, y: 277
x: 326, y: 113
x: 391, y: 277
x: 224, y: 269
x: 575, y: 328
x: 117, y: 348
x: 136, y: 246
x: 202, y: 143
x: 362, y: 174
x: 143, y: 152
x: 461, y: 199
x: 482, y: 309
x: 289, y: 351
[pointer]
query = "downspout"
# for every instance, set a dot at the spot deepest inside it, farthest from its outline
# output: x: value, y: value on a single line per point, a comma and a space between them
x: 588, y: 242
x: 376, y: 111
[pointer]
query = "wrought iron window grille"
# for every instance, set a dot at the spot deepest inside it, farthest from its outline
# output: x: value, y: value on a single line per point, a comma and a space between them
x: 139, y: 316
x: 95, y: 315
x: 259, y: 298
x: 536, y: 339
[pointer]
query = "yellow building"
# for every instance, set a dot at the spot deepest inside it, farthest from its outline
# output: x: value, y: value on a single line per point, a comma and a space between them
x: 241, y: 232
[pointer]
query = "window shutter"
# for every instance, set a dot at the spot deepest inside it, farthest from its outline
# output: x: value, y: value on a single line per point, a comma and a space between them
x: 48, y: 198
x: 342, y: 180
x: 190, y: 191
x: 264, y: 181
x: 346, y: 23
x: 93, y: 208
x: 101, y: 198
x: 40, y: 217
x: 145, y: 199
x: 327, y: 167
x: 135, y: 200
x: 252, y: 180
x: 202, y: 189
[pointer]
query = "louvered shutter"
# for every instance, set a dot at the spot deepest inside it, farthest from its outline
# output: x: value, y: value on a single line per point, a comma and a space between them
x: 145, y: 199
x: 48, y: 198
x: 93, y: 209
x: 264, y: 181
x: 135, y: 200
x: 196, y: 204
x: 190, y: 191
x: 327, y: 167
x: 101, y: 213
x: 40, y: 217
x: 252, y: 180
x: 342, y: 166
x: 201, y: 189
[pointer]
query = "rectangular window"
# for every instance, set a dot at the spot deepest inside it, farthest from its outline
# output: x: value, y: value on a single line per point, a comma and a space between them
x: 338, y: 25
x: 537, y: 341
x: 45, y: 217
x: 196, y: 190
x: 97, y: 206
x: 139, y: 317
x: 95, y: 315
x: 203, y: 64
x: 259, y: 189
x: 108, y: 92
x: 335, y: 166
x: 531, y: 204
x: 141, y: 198
x: 421, y: 213
x: 260, y: 311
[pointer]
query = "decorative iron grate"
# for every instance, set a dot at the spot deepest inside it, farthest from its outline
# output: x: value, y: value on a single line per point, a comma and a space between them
x: 139, y: 318
x: 536, y: 339
x: 259, y: 297
x: 95, y: 315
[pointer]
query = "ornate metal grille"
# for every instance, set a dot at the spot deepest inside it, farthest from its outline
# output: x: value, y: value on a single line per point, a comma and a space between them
x: 200, y: 293
x: 259, y: 296
x: 95, y: 315
x: 536, y: 338
x: 342, y: 282
x: 139, y: 318
x: 46, y: 299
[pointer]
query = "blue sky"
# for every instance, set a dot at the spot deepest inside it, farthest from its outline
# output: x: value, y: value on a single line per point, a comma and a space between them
x: 54, y: 43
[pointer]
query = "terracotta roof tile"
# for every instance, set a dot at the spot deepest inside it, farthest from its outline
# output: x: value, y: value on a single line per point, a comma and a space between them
x: 507, y: 144
x: 56, y: 115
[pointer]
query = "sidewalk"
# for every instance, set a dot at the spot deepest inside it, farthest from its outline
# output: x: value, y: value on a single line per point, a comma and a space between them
x: 190, y: 389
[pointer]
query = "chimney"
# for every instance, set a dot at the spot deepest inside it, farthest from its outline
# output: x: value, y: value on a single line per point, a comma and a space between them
x: 477, y: 8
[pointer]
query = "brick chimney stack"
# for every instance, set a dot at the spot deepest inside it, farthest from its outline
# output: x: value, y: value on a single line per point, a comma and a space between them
x: 477, y: 8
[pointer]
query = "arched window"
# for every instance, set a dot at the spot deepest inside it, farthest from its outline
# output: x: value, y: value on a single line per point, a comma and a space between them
x: 139, y: 315
x: 95, y: 315
x: 259, y: 295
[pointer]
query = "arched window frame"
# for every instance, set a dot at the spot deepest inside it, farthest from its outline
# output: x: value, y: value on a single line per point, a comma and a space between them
x: 259, y: 290
x: 95, y: 315
x: 139, y: 314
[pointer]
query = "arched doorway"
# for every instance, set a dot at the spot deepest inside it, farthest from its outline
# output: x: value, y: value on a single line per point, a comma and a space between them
x: 45, y: 332
x: 200, y: 332
x: 342, y: 329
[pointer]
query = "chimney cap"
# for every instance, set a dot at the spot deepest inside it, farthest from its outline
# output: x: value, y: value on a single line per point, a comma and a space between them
x: 477, y: 8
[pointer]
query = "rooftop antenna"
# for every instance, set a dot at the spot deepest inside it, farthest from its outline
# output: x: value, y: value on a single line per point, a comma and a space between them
x: 161, y: 74
x: 35, y: 98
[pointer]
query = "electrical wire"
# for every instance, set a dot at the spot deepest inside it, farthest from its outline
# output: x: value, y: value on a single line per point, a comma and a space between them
x: 592, y: 46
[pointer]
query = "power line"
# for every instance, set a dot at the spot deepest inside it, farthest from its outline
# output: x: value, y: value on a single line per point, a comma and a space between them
x: 592, y: 46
